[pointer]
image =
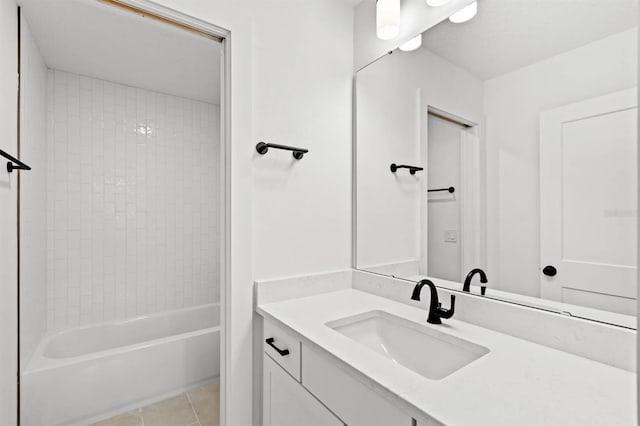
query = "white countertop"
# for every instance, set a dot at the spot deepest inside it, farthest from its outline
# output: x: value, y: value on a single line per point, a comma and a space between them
x: 517, y: 383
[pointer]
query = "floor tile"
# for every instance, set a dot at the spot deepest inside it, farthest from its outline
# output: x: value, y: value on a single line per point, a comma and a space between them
x: 132, y: 418
x: 171, y: 412
x: 206, y: 403
x: 199, y: 407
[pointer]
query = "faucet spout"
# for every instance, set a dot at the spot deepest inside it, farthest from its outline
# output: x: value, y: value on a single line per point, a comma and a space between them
x: 436, y: 312
x: 467, y: 281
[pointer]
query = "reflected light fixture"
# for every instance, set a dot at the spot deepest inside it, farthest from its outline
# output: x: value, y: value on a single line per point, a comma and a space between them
x: 412, y: 44
x: 465, y: 14
x: 387, y: 19
x: 437, y: 3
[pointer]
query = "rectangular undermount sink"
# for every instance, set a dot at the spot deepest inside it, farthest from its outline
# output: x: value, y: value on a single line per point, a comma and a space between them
x: 420, y: 348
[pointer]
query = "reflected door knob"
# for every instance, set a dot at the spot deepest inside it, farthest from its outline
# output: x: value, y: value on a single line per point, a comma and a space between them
x: 549, y: 271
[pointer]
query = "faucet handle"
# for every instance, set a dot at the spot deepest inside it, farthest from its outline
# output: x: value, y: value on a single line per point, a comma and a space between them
x: 448, y: 313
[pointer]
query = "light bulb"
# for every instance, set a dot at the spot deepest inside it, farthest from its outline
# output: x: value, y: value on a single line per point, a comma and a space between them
x: 465, y: 14
x: 387, y: 19
x: 412, y: 44
x: 437, y: 3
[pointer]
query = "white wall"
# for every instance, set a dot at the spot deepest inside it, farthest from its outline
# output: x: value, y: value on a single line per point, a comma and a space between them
x: 513, y: 103
x: 8, y: 214
x: 33, y: 196
x: 637, y: 52
x: 302, y: 97
x: 388, y: 132
x: 133, y: 188
x: 444, y: 214
x: 302, y: 79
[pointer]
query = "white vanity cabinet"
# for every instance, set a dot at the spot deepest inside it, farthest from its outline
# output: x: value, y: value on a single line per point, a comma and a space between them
x: 287, y: 403
x: 305, y: 388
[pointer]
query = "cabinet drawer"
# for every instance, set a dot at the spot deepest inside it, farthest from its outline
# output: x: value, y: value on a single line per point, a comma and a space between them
x: 282, y: 347
x: 349, y: 399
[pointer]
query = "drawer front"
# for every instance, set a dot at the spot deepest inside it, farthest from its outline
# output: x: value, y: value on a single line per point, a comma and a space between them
x: 349, y: 399
x: 282, y: 347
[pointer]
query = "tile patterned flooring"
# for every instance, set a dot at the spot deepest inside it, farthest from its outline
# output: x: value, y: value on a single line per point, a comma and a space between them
x: 198, y: 407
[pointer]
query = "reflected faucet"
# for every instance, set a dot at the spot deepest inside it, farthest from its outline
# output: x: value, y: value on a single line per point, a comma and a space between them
x: 483, y: 279
x: 436, y: 312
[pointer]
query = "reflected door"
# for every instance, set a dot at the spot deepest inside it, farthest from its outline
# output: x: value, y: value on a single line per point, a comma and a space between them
x: 588, y: 201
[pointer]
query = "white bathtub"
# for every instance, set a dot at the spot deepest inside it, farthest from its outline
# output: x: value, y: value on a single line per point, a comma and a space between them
x: 90, y: 371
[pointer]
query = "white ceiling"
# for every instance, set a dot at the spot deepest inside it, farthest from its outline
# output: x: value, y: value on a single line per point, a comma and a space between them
x: 508, y: 34
x: 98, y: 40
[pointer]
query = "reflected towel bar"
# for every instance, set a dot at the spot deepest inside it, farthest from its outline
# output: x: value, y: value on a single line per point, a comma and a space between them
x: 450, y: 189
x: 263, y: 148
x: 412, y: 169
x: 19, y: 165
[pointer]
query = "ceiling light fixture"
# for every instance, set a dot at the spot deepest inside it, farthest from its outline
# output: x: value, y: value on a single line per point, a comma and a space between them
x: 465, y: 14
x: 387, y: 19
x: 437, y: 3
x: 412, y: 44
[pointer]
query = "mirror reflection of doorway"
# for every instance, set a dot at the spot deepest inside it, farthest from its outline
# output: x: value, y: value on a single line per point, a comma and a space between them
x: 454, y: 216
x: 444, y: 208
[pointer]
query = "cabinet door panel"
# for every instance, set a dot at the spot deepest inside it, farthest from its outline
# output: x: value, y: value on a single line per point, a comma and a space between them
x: 287, y: 403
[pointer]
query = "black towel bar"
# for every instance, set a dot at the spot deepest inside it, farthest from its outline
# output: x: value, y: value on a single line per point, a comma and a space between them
x: 450, y: 189
x: 19, y: 165
x: 298, y: 153
x: 412, y: 169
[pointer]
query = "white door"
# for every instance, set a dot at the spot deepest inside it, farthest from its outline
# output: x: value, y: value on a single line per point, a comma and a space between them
x: 287, y: 403
x: 588, y: 203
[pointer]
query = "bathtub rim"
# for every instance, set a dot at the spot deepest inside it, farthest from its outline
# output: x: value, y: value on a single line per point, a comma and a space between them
x: 39, y: 362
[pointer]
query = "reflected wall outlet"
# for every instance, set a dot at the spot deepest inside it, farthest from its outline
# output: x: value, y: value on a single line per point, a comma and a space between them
x: 451, y: 236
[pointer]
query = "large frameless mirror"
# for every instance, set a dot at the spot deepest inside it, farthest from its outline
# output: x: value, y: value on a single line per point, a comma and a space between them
x: 508, y: 144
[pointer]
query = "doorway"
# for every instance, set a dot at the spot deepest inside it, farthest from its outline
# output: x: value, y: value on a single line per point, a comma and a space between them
x: 454, y: 186
x: 123, y: 256
x: 444, y: 204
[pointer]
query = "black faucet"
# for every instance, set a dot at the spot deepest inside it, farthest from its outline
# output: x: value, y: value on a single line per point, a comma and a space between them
x: 483, y: 279
x: 436, y: 312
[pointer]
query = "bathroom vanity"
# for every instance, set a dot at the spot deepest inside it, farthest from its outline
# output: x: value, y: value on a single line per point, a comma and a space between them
x: 353, y: 355
x: 501, y: 149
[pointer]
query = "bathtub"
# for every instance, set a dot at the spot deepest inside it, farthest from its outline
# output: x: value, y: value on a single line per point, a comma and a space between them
x: 97, y: 370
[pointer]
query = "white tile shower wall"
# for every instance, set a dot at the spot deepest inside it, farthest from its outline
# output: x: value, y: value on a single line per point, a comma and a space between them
x: 133, y: 188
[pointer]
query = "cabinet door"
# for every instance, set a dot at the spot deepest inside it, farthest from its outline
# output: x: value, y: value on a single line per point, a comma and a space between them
x: 287, y: 403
